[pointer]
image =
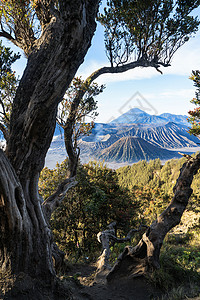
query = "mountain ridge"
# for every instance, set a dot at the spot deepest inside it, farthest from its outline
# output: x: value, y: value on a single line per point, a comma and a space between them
x: 124, y: 142
x: 136, y: 115
x: 170, y: 135
x: 132, y: 149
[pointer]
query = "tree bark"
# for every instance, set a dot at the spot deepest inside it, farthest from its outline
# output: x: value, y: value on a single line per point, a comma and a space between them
x: 72, y: 151
x: 26, y: 241
x: 135, y: 261
x: 50, y: 69
x: 108, y: 238
x: 51, y: 203
x: 25, y: 244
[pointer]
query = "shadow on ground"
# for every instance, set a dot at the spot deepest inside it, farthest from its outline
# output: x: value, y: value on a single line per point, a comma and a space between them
x: 97, y: 288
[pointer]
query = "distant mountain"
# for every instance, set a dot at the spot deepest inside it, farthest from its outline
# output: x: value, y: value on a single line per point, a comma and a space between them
x: 169, y: 135
x: 136, y: 136
x: 138, y: 116
x: 179, y: 119
x: 133, y: 149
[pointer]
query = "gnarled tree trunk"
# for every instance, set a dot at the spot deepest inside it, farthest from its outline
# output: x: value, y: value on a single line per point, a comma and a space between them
x: 26, y: 241
x: 135, y: 261
x: 25, y: 244
x: 108, y: 238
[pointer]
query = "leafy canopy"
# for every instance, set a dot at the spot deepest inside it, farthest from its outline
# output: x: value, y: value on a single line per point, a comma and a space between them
x: 87, y: 106
x: 22, y: 21
x: 147, y: 29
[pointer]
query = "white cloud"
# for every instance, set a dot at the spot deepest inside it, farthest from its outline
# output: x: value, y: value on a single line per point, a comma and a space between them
x: 172, y: 93
x: 173, y: 101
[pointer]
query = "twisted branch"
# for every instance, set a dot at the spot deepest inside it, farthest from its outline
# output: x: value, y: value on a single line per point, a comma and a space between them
x: 56, y: 198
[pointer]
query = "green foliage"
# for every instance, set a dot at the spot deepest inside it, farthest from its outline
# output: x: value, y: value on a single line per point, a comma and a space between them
x: 8, y: 83
x: 51, y: 178
x: 7, y: 58
x: 147, y: 29
x: 139, y: 174
x: 179, y: 266
x: 87, y: 106
x: 88, y: 208
x: 19, y: 22
x: 153, y: 183
x: 194, y: 118
x: 130, y: 195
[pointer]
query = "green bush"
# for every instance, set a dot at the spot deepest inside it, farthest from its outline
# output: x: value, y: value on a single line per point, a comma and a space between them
x: 88, y: 208
x: 178, y: 266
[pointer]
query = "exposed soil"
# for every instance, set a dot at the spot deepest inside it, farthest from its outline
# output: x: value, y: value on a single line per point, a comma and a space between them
x: 81, y: 283
x: 97, y: 288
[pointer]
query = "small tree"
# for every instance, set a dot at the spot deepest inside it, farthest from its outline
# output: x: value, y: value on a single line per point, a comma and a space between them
x: 194, y: 118
x: 8, y: 86
x: 88, y: 208
x: 71, y: 117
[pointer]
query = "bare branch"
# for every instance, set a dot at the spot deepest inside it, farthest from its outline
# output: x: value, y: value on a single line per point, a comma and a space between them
x: 120, y: 69
x: 158, y: 70
x: 108, y: 236
x: 55, y: 200
x: 129, y: 235
x: 4, y: 111
x: 185, y: 155
x: 6, y: 35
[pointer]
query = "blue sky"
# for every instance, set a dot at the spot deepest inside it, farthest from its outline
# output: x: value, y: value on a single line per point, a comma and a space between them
x: 170, y: 92
x: 144, y: 88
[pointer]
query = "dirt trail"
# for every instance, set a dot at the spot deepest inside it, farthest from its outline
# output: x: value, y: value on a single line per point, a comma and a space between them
x: 121, y: 289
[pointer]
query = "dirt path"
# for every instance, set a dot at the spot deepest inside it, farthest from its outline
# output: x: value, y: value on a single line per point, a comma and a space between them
x: 121, y: 289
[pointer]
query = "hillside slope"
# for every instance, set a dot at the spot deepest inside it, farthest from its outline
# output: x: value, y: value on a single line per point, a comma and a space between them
x: 169, y: 135
x: 132, y: 149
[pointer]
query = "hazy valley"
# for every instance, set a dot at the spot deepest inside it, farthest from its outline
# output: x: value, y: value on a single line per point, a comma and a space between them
x: 132, y: 137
